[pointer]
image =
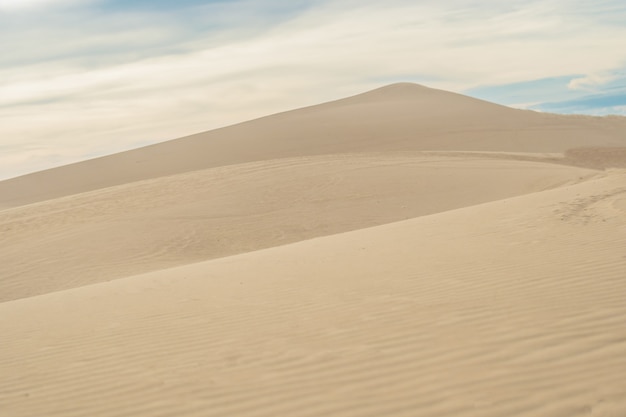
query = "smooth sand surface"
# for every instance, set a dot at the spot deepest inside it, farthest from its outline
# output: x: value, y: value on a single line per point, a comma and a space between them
x: 332, y: 265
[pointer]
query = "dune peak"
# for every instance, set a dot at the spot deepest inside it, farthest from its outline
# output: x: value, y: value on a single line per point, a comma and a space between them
x: 405, y: 86
x: 401, y: 90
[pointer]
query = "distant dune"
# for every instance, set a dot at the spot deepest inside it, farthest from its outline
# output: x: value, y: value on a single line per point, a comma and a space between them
x: 399, y: 117
x: 403, y: 252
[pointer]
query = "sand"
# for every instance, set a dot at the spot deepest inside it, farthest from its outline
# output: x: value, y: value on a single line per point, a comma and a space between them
x: 478, y: 270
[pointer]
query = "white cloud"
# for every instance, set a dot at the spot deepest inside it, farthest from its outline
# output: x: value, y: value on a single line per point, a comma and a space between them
x: 17, y: 5
x: 590, y: 82
x: 72, y: 110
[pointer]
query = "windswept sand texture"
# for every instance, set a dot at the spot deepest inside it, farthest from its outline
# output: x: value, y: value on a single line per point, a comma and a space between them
x: 405, y: 252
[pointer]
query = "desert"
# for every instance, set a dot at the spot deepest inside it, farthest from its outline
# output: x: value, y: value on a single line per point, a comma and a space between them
x: 407, y: 251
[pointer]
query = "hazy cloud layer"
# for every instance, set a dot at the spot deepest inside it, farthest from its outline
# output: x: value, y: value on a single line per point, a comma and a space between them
x: 83, y: 78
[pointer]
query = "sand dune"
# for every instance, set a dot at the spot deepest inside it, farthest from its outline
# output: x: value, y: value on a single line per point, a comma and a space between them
x: 400, y: 117
x: 514, y: 307
x: 404, y: 252
x: 207, y: 214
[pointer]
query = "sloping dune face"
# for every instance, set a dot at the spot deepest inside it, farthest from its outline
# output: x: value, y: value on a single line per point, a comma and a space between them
x: 404, y: 252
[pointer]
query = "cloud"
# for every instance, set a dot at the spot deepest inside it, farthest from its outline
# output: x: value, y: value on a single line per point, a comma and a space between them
x: 112, y: 75
x: 590, y: 82
x: 22, y: 5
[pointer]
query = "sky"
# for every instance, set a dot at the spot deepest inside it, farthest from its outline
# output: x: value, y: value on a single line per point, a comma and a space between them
x: 85, y: 78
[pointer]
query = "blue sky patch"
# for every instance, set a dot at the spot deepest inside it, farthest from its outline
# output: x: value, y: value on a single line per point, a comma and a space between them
x: 556, y: 94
